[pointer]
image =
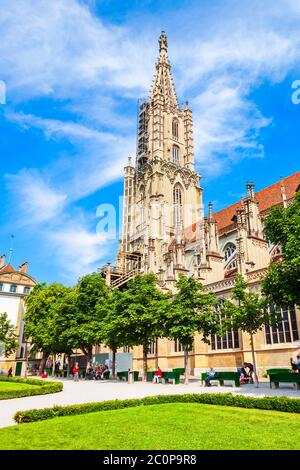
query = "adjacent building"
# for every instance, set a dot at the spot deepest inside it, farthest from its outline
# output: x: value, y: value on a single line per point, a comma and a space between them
x: 15, y: 285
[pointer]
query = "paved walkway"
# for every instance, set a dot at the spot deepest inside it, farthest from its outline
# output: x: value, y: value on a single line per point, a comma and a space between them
x: 92, y: 391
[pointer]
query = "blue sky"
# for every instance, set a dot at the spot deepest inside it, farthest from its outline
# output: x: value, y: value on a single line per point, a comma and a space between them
x: 74, y: 70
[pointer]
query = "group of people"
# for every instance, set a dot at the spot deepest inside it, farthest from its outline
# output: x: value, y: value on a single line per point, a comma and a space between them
x: 246, y: 374
x: 92, y: 373
x: 295, y: 365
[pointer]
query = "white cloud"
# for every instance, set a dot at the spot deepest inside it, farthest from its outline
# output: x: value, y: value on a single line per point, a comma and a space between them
x: 36, y: 202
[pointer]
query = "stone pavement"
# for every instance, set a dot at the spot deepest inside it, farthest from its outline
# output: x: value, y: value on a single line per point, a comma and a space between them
x: 92, y: 391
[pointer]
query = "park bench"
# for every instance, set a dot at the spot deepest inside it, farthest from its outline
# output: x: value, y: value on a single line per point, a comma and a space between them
x: 278, y: 371
x: 179, y: 370
x: 286, y: 377
x: 173, y: 377
x: 123, y: 375
x: 150, y: 375
x: 223, y: 376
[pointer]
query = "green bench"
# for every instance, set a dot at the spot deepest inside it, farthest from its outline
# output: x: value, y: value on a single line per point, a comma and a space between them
x: 179, y: 370
x: 106, y: 375
x: 150, y: 375
x: 278, y: 371
x: 222, y: 376
x: 124, y: 375
x: 174, y: 377
x: 286, y: 377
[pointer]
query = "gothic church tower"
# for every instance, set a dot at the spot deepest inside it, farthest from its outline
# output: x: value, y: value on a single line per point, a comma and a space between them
x: 162, y: 196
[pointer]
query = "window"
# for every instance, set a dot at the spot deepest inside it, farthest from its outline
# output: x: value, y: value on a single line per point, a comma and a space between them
x: 175, y: 154
x: 229, y: 249
x: 126, y: 349
x: 26, y: 290
x: 1, y: 287
x: 153, y: 347
x: 287, y: 329
x: 178, y: 347
x: 175, y: 129
x: 177, y: 203
x: 13, y: 289
x: 230, y: 339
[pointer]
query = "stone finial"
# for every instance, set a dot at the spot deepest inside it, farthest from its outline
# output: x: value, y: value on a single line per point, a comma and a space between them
x: 163, y: 43
x: 283, y: 193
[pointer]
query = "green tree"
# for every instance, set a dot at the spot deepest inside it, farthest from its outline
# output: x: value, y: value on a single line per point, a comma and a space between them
x: 91, y: 291
x: 8, y: 337
x: 139, y: 311
x: 112, y: 325
x: 40, y: 321
x: 64, y: 311
x: 192, y: 310
x: 247, y: 311
x: 282, y: 282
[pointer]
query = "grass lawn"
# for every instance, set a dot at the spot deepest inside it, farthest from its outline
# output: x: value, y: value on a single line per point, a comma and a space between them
x: 12, y: 387
x: 170, y: 426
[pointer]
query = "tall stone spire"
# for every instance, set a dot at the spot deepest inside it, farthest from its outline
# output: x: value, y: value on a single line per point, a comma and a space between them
x: 163, y: 89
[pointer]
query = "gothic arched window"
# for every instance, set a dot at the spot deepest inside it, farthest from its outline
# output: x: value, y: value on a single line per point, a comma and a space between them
x: 175, y: 154
x: 177, y: 203
x: 175, y: 128
x: 229, y: 249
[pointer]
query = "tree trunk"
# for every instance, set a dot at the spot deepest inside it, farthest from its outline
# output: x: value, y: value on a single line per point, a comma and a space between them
x: 89, y: 356
x: 114, y: 363
x: 186, y: 365
x: 145, y: 354
x: 53, y: 365
x: 254, y: 361
x: 43, y: 362
x: 68, y: 366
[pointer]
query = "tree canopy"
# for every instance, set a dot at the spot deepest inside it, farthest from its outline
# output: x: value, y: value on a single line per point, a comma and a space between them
x: 192, y: 310
x: 139, y: 311
x: 8, y: 336
x: 282, y: 282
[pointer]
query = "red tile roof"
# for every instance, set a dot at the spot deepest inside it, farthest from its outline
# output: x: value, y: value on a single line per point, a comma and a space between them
x: 267, y: 198
x: 7, y: 269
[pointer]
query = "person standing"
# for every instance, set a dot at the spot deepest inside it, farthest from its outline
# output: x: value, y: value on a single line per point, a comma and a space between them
x: 9, y: 374
x: 76, y: 372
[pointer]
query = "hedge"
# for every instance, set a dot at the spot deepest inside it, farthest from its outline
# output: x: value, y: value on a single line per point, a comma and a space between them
x: 41, y: 388
x: 290, y: 405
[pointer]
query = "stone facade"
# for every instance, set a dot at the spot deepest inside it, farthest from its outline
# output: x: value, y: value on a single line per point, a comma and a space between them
x: 165, y: 232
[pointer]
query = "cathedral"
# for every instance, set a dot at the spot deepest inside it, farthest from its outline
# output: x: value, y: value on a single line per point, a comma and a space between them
x: 165, y: 231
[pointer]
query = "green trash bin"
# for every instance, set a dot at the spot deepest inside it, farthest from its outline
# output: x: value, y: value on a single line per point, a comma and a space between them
x: 49, y: 372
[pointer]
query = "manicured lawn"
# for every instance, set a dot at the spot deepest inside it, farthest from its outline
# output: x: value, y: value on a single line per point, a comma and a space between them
x: 169, y: 426
x: 12, y: 387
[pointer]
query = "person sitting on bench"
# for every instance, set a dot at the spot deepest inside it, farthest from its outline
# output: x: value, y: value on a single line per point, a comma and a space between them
x: 210, y: 375
x: 249, y: 366
x: 158, y: 375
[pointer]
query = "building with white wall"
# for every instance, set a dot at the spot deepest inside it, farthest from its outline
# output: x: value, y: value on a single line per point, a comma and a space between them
x: 14, y: 287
